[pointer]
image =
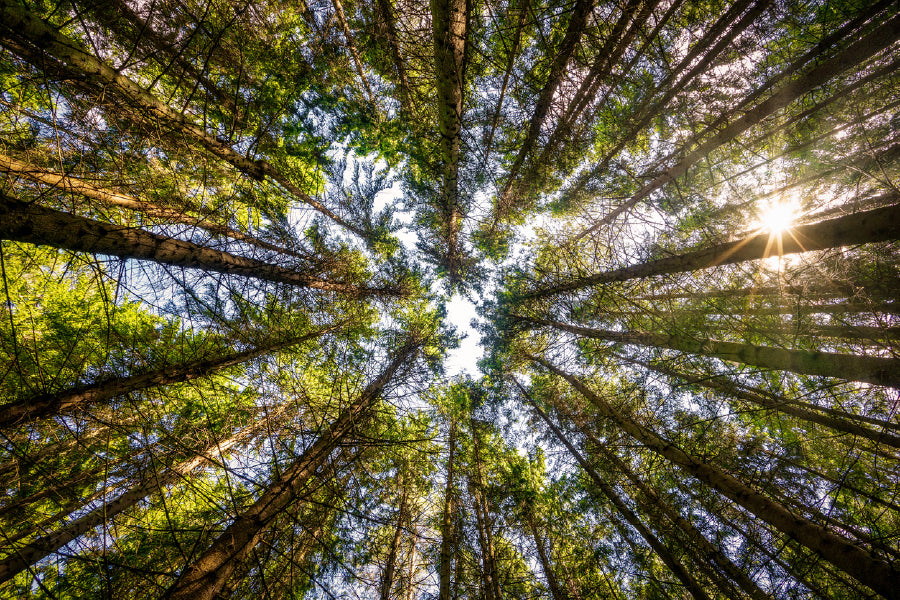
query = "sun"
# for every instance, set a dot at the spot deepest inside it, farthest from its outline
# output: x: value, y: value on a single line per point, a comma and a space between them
x: 778, y: 217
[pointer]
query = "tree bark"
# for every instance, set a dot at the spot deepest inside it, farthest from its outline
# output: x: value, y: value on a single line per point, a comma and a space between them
x: 574, y: 30
x: 843, y: 554
x: 31, y: 553
x: 707, y: 550
x: 449, y: 27
x: 866, y: 47
x: 868, y: 369
x: 203, y: 578
x: 448, y: 535
x: 46, y: 405
x: 44, y: 226
x: 556, y: 591
x: 483, y: 521
x: 387, y: 579
x: 834, y: 419
x: 878, y: 225
x: 20, y: 24
x: 114, y: 198
x: 691, y: 584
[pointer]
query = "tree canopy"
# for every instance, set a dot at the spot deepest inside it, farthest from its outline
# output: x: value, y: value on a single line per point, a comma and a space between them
x: 231, y: 232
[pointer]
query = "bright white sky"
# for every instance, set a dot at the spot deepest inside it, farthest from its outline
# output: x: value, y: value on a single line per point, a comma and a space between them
x: 460, y: 313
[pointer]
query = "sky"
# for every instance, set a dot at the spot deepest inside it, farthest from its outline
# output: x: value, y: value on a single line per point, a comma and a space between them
x: 460, y: 313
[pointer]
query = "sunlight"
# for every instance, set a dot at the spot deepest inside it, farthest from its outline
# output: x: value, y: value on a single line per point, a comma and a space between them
x: 779, y: 217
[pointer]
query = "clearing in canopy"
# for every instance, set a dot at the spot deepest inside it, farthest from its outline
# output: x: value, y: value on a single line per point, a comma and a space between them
x: 237, y: 243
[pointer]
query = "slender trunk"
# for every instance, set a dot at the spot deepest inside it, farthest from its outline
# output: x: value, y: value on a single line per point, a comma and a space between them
x: 513, y: 52
x: 556, y: 590
x: 449, y: 28
x: 31, y: 553
x: 868, y: 369
x: 44, y: 226
x: 387, y: 579
x: 132, y: 28
x: 342, y: 19
x: 644, y: 113
x: 47, y: 405
x: 389, y: 28
x: 878, y: 225
x: 483, y: 521
x: 448, y: 538
x: 865, y: 48
x: 204, y: 577
x: 574, y: 30
x: 114, y: 198
x: 707, y: 550
x: 661, y: 549
x: 835, y: 419
x: 636, y: 11
x: 41, y: 39
x: 843, y: 554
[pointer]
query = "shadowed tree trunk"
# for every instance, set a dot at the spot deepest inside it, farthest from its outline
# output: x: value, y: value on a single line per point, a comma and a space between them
x: 578, y: 21
x: 387, y: 579
x: 31, y: 553
x: 869, y: 369
x: 44, y: 226
x: 840, y: 552
x: 448, y: 528
x: 706, y: 550
x: 449, y: 27
x: 661, y: 549
x: 878, y: 225
x: 47, y: 405
x: 205, y: 576
x: 22, y: 25
x: 837, y: 420
x: 114, y: 198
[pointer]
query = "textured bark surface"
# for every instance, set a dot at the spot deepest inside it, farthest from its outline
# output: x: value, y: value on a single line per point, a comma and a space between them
x: 114, y: 198
x: 23, y: 27
x: 878, y: 225
x: 203, y: 578
x: 448, y: 531
x: 47, y: 405
x: 449, y: 20
x: 44, y: 226
x: 840, y: 552
x: 689, y: 582
x: 868, y: 369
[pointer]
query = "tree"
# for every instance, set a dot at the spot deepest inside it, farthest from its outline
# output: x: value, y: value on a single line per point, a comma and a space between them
x: 233, y: 237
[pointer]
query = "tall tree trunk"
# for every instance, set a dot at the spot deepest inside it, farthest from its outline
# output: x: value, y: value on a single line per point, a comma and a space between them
x: 387, y: 579
x: 449, y: 20
x: 868, y: 369
x: 661, y: 549
x: 31, y: 553
x: 843, y: 554
x: 483, y: 521
x: 204, y: 577
x: 351, y: 45
x: 114, y: 198
x: 577, y: 23
x: 387, y: 24
x: 44, y: 226
x: 706, y: 550
x: 866, y: 47
x: 556, y: 591
x: 39, y: 39
x: 47, y: 405
x: 448, y: 535
x: 878, y: 225
x: 836, y: 420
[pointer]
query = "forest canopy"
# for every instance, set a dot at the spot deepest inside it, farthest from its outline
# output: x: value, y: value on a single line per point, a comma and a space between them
x: 231, y: 232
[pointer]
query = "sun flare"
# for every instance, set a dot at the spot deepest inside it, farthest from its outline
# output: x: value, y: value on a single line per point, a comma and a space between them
x: 778, y: 217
